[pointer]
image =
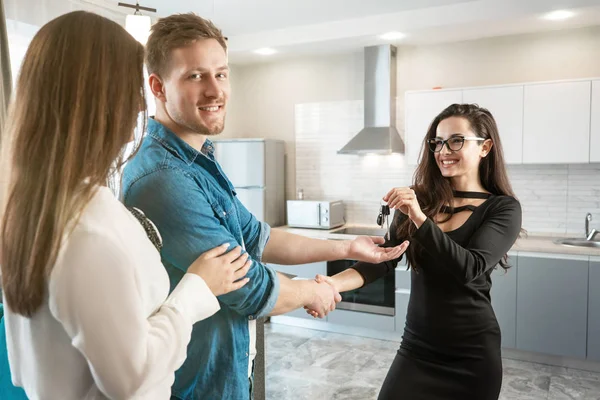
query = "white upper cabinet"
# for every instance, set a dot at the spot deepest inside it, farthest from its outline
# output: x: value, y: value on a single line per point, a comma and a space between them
x: 506, y: 105
x: 421, y: 108
x: 595, y: 130
x: 556, y: 125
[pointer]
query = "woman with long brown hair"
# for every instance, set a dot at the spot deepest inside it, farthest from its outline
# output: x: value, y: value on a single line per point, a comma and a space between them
x: 86, y: 300
x: 461, y: 218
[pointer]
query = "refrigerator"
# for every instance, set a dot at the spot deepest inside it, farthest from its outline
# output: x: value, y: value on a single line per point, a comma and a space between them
x: 256, y: 168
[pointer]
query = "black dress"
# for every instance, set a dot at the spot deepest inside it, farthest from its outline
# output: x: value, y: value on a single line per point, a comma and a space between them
x: 451, y: 343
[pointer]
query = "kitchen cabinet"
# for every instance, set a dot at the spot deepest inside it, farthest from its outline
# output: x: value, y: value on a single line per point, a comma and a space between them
x: 402, y: 275
x: 595, y: 128
x: 421, y: 108
x: 306, y: 271
x: 402, y: 299
x: 504, y: 300
x: 402, y: 295
x: 506, y: 105
x: 552, y: 304
x: 556, y: 123
x: 593, y: 346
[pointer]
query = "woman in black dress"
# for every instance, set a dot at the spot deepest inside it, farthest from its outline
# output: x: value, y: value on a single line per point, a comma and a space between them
x: 461, y: 218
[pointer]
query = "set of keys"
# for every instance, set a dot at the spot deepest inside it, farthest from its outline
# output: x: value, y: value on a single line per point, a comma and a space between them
x: 382, y: 218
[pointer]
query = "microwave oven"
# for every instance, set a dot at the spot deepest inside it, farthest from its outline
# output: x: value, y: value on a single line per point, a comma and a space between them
x: 315, y: 214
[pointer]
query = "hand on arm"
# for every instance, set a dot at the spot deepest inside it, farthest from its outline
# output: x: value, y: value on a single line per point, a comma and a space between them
x: 191, y: 228
x: 222, y: 272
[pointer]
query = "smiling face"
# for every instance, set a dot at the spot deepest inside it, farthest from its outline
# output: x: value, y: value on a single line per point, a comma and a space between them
x: 463, y: 161
x: 196, y: 90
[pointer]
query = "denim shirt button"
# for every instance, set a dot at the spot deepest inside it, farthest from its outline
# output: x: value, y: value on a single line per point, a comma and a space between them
x: 224, y: 213
x: 246, y: 354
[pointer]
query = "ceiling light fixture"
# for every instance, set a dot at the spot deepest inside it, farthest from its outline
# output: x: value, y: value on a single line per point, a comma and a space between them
x: 138, y: 25
x: 266, y: 51
x: 559, y: 15
x: 392, y: 36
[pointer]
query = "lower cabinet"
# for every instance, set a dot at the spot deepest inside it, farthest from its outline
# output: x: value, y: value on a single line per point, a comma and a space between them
x: 504, y: 300
x: 402, y: 298
x: 593, y: 349
x: 552, y: 304
x: 402, y: 294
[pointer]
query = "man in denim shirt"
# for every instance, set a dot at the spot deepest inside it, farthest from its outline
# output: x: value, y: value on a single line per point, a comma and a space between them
x: 176, y: 181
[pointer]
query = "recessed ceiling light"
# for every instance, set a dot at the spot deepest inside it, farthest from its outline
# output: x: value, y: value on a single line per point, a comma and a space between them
x: 392, y: 36
x: 266, y: 51
x: 559, y: 15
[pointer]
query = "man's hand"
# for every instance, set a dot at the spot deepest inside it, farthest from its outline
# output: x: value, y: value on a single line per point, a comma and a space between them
x: 365, y: 248
x: 322, y: 279
x: 324, y: 299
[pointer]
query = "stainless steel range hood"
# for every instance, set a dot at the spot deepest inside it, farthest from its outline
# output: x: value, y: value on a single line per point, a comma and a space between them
x: 379, y: 136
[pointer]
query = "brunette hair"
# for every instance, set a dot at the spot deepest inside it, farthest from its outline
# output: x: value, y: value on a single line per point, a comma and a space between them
x: 78, y: 96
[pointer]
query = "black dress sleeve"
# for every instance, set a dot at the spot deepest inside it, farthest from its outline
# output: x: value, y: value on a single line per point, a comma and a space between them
x: 497, y: 233
x: 372, y: 272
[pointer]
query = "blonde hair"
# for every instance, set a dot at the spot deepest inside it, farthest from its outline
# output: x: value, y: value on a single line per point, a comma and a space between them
x: 176, y: 31
x: 79, y: 93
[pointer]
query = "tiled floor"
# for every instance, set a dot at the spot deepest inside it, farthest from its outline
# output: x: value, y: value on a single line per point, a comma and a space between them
x: 314, y: 365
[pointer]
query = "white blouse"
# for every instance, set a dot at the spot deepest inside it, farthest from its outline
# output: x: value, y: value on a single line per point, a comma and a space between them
x: 107, y: 328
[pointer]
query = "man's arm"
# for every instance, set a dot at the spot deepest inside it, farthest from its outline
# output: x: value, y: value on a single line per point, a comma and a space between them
x: 188, y: 224
x: 289, y: 249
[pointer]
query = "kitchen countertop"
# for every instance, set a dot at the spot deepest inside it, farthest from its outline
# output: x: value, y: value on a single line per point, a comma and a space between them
x: 530, y: 243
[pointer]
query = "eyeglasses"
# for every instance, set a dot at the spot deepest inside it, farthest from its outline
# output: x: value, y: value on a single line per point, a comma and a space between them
x: 455, y: 143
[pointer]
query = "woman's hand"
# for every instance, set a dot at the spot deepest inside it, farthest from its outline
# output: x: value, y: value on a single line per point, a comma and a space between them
x: 222, y: 272
x: 405, y: 200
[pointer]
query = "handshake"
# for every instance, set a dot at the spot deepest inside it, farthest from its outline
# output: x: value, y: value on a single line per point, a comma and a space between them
x: 325, y: 297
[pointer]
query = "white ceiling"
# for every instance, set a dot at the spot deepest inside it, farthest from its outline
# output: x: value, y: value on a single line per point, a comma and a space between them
x: 298, y: 27
x: 239, y: 17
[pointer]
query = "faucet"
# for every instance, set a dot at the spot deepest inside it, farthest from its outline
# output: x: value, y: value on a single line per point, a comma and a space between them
x: 589, y: 235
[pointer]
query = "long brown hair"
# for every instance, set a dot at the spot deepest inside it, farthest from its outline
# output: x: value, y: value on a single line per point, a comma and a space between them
x: 78, y: 97
x: 433, y: 190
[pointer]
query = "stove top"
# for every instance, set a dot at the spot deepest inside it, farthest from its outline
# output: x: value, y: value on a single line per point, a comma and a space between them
x: 358, y: 230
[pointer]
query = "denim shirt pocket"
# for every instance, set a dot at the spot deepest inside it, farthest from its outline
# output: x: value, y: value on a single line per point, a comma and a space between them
x: 222, y: 211
x: 225, y: 212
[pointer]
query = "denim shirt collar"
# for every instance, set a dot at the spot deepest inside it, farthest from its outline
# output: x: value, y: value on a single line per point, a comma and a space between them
x: 174, y: 143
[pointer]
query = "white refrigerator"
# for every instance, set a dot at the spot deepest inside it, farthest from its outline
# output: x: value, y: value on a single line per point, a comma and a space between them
x: 256, y: 168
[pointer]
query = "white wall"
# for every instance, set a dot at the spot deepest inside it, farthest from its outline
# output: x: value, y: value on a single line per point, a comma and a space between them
x: 263, y: 97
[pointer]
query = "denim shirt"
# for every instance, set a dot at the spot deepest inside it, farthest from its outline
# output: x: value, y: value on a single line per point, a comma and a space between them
x: 195, y: 208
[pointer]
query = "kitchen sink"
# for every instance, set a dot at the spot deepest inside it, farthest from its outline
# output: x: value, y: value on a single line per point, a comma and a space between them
x: 578, y: 242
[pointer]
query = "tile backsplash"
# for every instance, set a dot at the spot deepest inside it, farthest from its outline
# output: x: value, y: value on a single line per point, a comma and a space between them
x: 555, y: 198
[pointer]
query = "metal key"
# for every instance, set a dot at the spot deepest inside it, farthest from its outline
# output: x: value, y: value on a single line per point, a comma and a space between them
x: 384, y: 212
